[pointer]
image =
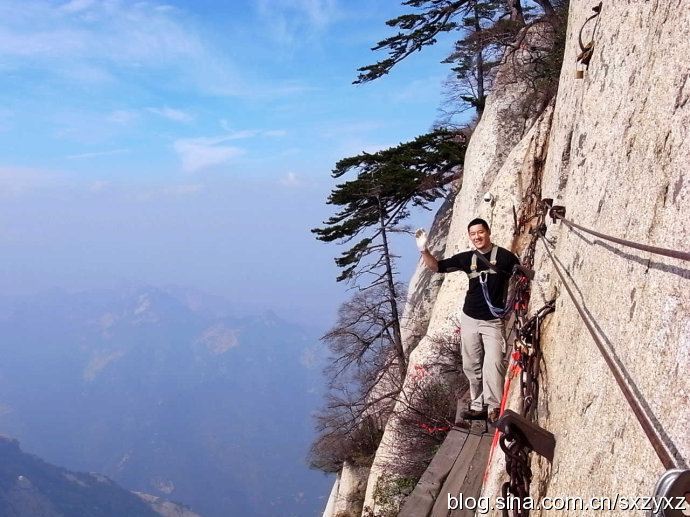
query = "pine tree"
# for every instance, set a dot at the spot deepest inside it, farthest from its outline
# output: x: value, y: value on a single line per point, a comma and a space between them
x: 476, y: 54
x: 416, y: 31
x: 487, y: 31
x: 387, y: 184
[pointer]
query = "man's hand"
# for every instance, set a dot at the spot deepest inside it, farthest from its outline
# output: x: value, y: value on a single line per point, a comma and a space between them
x: 420, y: 237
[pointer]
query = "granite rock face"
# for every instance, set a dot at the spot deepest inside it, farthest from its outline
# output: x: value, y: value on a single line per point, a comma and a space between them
x: 330, y: 504
x: 415, y: 325
x: 618, y: 160
x: 506, y: 118
x: 425, y: 285
x: 347, y: 495
x: 615, y: 153
x: 614, y: 149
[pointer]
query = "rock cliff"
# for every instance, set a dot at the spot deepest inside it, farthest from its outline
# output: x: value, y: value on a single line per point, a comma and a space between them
x: 618, y: 154
x: 614, y: 149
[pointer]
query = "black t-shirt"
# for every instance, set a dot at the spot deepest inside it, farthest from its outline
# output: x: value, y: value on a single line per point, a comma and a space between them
x: 475, y: 305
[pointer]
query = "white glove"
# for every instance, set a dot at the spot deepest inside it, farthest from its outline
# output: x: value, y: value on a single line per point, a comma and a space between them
x: 420, y: 237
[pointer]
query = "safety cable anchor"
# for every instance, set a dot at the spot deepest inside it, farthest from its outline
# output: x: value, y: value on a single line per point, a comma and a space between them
x: 673, y: 485
x: 544, y: 205
x: 586, y: 50
x: 539, y: 230
x: 557, y: 212
x: 530, y: 435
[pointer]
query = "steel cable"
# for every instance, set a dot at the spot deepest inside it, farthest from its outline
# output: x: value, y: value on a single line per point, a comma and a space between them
x: 682, y: 255
x: 646, y: 420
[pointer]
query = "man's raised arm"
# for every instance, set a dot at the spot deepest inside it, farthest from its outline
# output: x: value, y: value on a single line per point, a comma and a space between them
x: 429, y: 260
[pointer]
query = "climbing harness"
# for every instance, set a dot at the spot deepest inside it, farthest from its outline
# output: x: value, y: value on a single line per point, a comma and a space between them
x: 520, y: 289
x: 497, y: 312
x: 511, y: 304
x: 527, y: 271
x: 587, y: 50
x: 491, y: 263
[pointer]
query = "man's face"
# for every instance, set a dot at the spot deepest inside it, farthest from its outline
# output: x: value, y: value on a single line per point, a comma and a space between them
x: 479, y: 236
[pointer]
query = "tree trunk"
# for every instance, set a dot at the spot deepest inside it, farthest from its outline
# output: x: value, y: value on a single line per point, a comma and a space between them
x: 546, y: 5
x: 481, y: 96
x: 515, y: 9
x: 397, y: 336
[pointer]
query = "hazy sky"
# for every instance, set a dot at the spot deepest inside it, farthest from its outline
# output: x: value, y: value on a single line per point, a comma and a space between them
x: 191, y: 142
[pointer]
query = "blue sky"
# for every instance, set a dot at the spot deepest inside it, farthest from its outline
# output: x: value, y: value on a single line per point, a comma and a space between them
x: 191, y: 143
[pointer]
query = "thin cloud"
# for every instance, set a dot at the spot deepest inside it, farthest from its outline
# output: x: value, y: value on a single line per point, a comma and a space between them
x: 201, y: 153
x: 118, y: 41
x: 291, y: 180
x: 357, y: 146
x: 120, y: 36
x: 420, y: 90
x: 275, y: 133
x: 233, y: 134
x: 175, y: 115
x: 75, y: 6
x: 215, y: 140
x: 183, y: 190
x: 97, y: 154
x: 100, y: 186
x: 15, y: 181
x: 343, y: 129
x: 6, y: 118
x: 239, y: 135
x: 293, y: 21
x: 123, y: 117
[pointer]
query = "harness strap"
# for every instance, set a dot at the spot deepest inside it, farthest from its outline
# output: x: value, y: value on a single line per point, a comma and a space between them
x: 473, y: 265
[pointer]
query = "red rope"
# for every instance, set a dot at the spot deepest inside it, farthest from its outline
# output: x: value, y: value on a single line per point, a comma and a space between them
x: 513, y: 370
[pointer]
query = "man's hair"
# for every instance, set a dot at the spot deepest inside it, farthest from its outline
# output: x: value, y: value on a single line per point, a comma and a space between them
x: 479, y: 221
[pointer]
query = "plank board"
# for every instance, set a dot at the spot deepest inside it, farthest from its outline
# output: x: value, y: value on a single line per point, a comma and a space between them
x: 472, y: 485
x: 422, y: 498
x: 466, y: 476
x: 457, y: 476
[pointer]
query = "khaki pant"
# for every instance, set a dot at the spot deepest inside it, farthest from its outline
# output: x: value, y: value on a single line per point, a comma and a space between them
x: 483, y: 360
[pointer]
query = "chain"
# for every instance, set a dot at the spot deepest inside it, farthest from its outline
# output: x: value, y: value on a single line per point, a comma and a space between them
x: 517, y: 466
x: 527, y: 353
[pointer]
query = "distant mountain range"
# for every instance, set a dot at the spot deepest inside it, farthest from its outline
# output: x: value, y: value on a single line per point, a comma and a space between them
x: 30, y: 487
x: 166, y: 392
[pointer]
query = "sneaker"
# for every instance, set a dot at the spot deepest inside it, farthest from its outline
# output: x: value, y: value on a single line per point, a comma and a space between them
x: 493, y: 415
x: 474, y: 414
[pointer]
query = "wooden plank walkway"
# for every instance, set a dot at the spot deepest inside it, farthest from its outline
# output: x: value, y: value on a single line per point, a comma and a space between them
x: 457, y: 468
x: 422, y: 498
x: 468, y: 480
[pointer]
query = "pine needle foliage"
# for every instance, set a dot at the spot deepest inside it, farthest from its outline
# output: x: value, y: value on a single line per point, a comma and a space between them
x: 487, y: 32
x: 386, y: 185
x: 417, y: 30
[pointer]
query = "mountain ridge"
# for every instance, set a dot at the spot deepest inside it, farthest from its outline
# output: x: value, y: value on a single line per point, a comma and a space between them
x: 176, y: 402
x: 31, y: 487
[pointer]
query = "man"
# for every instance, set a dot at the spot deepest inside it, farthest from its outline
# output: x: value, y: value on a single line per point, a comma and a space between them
x: 483, y: 342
